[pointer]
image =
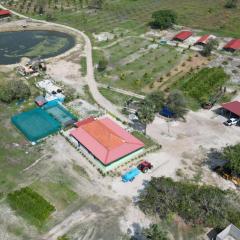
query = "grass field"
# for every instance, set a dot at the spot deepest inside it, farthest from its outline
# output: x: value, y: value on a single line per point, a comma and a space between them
x: 58, y: 193
x: 114, y: 97
x: 134, y: 15
x: 30, y: 205
x: 202, y: 86
x: 134, y: 72
x: 15, y: 153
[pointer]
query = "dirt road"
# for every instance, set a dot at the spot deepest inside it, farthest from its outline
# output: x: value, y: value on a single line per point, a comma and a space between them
x: 103, y: 102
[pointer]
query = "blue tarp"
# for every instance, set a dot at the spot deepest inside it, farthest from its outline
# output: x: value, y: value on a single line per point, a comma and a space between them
x: 166, y: 112
x: 130, y: 175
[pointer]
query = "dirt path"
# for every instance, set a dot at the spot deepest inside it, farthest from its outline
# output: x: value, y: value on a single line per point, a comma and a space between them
x: 77, y: 217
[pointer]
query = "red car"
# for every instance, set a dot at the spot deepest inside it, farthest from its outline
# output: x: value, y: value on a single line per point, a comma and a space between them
x: 145, y: 166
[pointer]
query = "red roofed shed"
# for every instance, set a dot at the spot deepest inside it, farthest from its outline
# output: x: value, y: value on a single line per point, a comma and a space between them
x: 233, y: 45
x: 183, y: 35
x: 203, y: 40
x: 106, y: 140
x: 233, y: 107
x: 5, y: 13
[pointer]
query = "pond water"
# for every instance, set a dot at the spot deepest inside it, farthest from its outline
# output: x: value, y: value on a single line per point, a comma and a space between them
x: 32, y: 44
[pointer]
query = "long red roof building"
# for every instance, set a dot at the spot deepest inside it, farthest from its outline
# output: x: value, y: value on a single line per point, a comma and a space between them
x: 105, y: 140
x: 183, y: 35
x: 233, y: 45
x: 5, y: 13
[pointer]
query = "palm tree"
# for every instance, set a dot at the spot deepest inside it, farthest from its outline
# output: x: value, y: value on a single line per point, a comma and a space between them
x: 146, y: 113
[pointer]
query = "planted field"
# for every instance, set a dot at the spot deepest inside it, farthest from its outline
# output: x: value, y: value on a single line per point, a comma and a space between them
x: 142, y: 69
x: 133, y: 15
x: 30, y: 205
x: 202, y: 86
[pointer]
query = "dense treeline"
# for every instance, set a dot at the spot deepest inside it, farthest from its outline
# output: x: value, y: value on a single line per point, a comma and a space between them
x: 197, y: 205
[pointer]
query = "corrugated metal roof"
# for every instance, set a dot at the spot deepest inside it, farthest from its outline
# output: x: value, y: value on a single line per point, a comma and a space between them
x: 233, y: 44
x: 183, y: 35
x: 233, y: 107
x: 106, y: 140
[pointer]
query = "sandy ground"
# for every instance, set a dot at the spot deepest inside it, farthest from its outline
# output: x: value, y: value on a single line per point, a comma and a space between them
x: 184, y: 143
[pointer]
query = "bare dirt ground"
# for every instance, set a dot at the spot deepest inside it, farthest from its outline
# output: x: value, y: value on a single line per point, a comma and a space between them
x: 184, y: 146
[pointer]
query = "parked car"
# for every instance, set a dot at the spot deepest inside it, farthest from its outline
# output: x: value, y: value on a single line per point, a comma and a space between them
x: 145, y: 166
x: 130, y: 175
x: 231, y: 121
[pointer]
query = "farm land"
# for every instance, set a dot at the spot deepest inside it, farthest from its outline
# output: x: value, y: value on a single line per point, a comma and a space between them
x: 63, y: 182
x: 133, y: 16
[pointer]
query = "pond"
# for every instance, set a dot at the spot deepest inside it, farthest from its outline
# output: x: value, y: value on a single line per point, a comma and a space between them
x: 32, y: 44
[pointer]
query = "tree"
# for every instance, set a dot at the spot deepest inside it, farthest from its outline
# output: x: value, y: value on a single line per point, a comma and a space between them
x: 146, y: 113
x: 14, y: 90
x: 231, y: 4
x: 177, y: 104
x: 157, y: 100
x: 232, y: 154
x: 102, y: 64
x: 209, y: 47
x: 164, y: 19
x: 155, y: 232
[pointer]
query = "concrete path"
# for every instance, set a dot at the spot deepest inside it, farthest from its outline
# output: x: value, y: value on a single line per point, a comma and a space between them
x: 92, y: 84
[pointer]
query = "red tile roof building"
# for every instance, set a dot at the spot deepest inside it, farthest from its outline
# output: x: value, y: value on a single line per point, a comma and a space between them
x: 106, y: 140
x: 183, y: 35
x: 5, y: 13
x: 233, y: 107
x: 233, y: 45
x: 203, y: 40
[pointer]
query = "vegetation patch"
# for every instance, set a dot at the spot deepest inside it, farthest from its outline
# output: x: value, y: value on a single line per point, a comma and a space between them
x: 202, y: 86
x: 83, y: 63
x: 30, y: 205
x: 148, y: 142
x: 232, y: 155
x: 196, y: 205
x: 58, y: 193
x: 115, y: 97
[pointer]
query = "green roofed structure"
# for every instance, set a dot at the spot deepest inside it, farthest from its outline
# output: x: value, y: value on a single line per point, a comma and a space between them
x: 36, y: 124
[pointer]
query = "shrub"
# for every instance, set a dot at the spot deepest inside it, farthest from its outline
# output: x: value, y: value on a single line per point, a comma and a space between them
x: 14, y: 90
x: 197, y: 205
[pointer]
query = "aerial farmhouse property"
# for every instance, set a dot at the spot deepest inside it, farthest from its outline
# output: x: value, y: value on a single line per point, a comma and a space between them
x: 108, y: 143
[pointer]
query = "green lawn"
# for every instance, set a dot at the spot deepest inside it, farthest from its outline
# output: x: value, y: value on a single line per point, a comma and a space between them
x: 135, y: 15
x: 114, y: 97
x: 202, y: 86
x: 30, y: 205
